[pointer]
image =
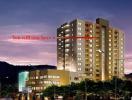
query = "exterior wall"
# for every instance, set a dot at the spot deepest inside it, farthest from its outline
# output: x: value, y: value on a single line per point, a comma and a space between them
x: 100, y: 58
x: 41, y: 79
x: 80, y: 44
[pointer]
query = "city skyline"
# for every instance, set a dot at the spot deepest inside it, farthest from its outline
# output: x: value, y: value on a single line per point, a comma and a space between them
x: 27, y: 17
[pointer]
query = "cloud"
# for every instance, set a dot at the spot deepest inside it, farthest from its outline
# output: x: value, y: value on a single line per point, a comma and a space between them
x: 44, y: 59
x: 23, y: 52
x: 37, y: 28
x: 128, y: 62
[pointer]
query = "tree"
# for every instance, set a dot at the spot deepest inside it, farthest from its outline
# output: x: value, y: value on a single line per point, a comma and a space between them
x: 116, y: 86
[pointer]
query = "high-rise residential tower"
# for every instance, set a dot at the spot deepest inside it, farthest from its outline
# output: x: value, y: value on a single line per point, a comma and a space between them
x: 99, y: 58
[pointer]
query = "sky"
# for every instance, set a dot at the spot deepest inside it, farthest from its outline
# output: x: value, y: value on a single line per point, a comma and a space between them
x: 42, y: 17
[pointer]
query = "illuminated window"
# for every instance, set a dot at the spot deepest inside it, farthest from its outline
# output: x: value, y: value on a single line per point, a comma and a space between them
x: 45, y: 76
x: 122, y: 69
x: 90, y: 45
x: 91, y: 31
x: 79, y: 49
x: 97, y: 59
x: 109, y: 76
x: 67, y: 35
x: 79, y: 69
x: 79, y: 53
x: 97, y: 54
x: 67, y: 25
x: 79, y: 64
x: 66, y: 55
x: 91, y: 70
x: 79, y: 23
x: 67, y: 30
x: 49, y: 76
x: 109, y: 44
x: 90, y: 50
x: 90, y: 41
x: 36, y: 77
x: 91, y: 26
x: 79, y: 43
x: 67, y: 45
x: 90, y: 60
x: 97, y: 45
x: 90, y: 35
x: 79, y: 28
x: 79, y: 33
x: 109, y: 67
x: 90, y: 55
x: 67, y: 40
x: 59, y: 39
x: 91, y: 75
x: 79, y: 59
x: 110, y: 31
x: 59, y: 44
x: 56, y: 76
x: 41, y: 77
x: 109, y: 53
x: 67, y: 50
x: 121, y: 56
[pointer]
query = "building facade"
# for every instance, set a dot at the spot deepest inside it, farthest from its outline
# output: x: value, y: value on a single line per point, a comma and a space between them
x: 99, y: 58
x: 39, y: 80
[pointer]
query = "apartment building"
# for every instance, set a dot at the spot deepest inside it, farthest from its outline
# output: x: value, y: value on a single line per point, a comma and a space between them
x: 99, y: 58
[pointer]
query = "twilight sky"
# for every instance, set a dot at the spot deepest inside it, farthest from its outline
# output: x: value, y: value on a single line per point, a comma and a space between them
x: 44, y: 16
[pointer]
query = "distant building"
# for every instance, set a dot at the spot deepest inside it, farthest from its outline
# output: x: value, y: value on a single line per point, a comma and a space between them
x: 9, y: 74
x: 99, y: 58
x: 22, y: 78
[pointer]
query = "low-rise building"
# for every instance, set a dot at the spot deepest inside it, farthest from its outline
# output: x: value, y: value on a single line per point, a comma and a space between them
x: 40, y: 79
